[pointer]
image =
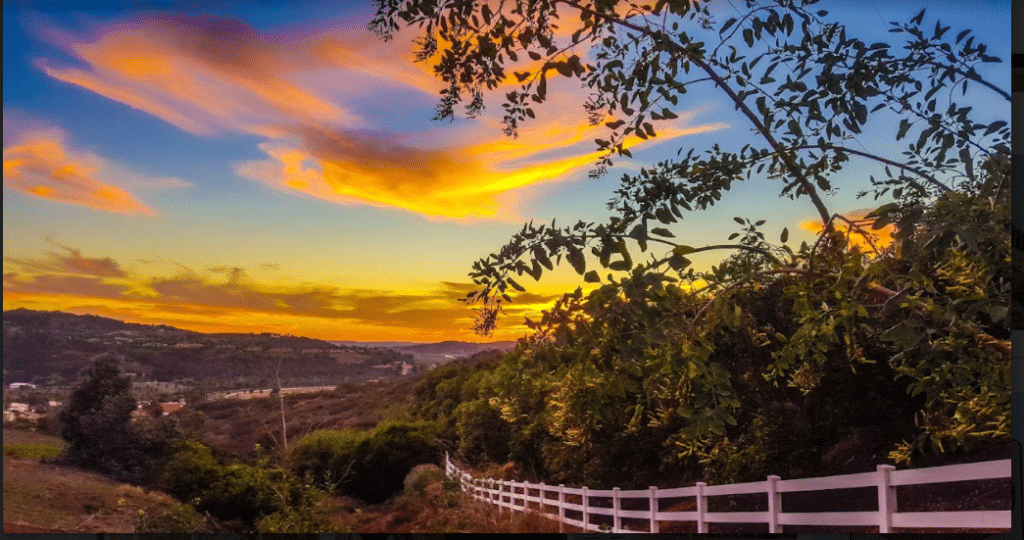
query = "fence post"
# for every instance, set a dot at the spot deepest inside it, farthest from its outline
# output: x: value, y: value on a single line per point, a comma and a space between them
x: 886, y: 499
x: 540, y: 495
x: 702, y: 508
x: 774, y: 505
x: 586, y: 513
x: 616, y: 520
x: 652, y: 506
x: 561, y: 508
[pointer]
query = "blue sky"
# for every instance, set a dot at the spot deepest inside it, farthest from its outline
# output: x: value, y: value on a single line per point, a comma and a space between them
x: 193, y: 190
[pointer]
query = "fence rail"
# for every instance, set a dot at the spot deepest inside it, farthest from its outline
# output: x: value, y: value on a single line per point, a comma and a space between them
x: 550, y: 501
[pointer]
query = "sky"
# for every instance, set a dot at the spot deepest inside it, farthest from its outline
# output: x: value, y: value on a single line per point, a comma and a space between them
x: 274, y: 167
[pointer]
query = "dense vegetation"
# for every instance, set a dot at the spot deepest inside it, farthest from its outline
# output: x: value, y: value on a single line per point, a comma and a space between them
x: 780, y: 359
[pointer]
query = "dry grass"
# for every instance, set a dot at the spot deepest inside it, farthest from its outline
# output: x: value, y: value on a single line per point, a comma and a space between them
x: 438, y: 507
x: 24, y: 436
x: 60, y: 499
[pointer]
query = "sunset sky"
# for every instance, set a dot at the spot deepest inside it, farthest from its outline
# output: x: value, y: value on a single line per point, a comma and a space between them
x: 259, y: 167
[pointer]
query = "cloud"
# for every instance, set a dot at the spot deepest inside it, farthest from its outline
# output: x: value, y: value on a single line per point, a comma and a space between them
x: 69, y: 280
x: 861, y: 236
x: 38, y: 161
x: 69, y: 261
x: 463, y: 181
x: 209, y: 76
x: 42, y: 167
x: 203, y: 75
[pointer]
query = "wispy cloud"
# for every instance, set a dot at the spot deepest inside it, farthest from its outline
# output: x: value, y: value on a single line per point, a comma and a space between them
x: 68, y: 260
x: 41, y: 166
x: 210, y: 76
x: 66, y: 279
x: 39, y: 160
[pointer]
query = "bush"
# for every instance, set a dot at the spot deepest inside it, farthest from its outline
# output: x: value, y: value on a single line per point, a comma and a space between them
x: 180, y: 518
x: 189, y: 471
x: 328, y: 456
x: 243, y: 492
x: 388, y: 455
x: 421, y: 477
x: 369, y: 465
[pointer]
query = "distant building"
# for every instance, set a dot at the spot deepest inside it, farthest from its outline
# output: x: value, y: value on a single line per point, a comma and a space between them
x: 17, y: 385
x: 172, y: 407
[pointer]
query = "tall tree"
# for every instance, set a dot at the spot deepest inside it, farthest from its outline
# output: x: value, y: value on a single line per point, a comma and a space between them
x: 933, y: 306
x: 95, y: 421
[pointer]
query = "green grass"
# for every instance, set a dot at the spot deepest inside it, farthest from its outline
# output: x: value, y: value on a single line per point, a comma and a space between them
x: 37, y: 451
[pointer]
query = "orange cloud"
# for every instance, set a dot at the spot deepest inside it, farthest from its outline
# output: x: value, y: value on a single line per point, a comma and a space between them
x: 204, y: 76
x: 862, y: 236
x: 69, y: 261
x: 40, y: 166
x: 208, y: 76
x: 458, y: 182
x: 227, y: 298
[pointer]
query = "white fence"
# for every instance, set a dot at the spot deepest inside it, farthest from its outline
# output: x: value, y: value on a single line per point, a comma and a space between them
x: 518, y: 496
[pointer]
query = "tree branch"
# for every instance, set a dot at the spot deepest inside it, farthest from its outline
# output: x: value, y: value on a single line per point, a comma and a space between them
x: 740, y: 105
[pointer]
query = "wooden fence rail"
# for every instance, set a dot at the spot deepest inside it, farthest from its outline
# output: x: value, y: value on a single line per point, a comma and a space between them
x: 551, y: 502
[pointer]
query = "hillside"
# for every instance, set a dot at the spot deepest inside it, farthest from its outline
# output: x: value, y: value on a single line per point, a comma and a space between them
x: 42, y: 498
x: 51, y: 347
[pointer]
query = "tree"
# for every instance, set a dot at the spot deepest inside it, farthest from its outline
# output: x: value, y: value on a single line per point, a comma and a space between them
x: 933, y: 306
x: 95, y: 420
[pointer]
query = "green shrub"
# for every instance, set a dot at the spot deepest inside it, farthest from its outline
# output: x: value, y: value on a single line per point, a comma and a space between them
x: 421, y: 477
x: 180, y: 518
x: 483, y: 434
x: 391, y: 451
x: 369, y: 465
x: 189, y: 471
x: 243, y: 492
x: 328, y: 456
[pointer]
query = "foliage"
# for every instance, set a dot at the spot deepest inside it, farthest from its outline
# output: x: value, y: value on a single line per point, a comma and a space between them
x: 95, y: 422
x: 180, y: 518
x: 422, y: 477
x: 369, y: 465
x: 650, y: 366
x: 188, y: 471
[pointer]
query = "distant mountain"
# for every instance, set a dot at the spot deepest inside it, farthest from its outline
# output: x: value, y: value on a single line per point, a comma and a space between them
x: 52, y: 346
x: 455, y: 348
x: 376, y: 344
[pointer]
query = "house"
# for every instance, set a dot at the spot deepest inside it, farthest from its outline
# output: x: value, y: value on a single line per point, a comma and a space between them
x: 172, y: 407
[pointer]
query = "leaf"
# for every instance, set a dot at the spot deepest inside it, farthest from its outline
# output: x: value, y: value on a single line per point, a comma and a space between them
x: 739, y: 220
x: 591, y: 277
x: 785, y: 235
x: 515, y: 285
x: 620, y: 266
x: 663, y: 215
x: 904, y: 126
x: 660, y: 231
x: 534, y: 55
x: 683, y: 250
x: 577, y: 260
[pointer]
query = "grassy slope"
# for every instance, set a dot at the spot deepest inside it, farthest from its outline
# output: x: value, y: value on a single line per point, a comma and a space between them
x: 47, y: 498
